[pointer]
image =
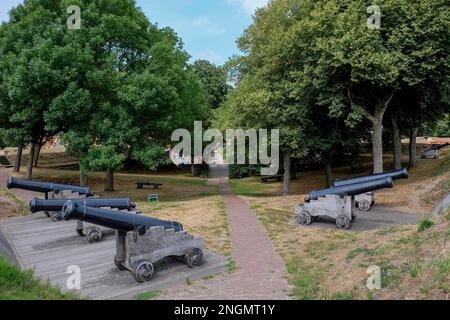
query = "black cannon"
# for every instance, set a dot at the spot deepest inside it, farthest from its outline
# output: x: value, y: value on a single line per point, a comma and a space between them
x: 113, y: 219
x: 353, y: 189
x: 395, y: 175
x: 56, y: 205
x: 440, y: 146
x: 434, y: 152
x: 141, y: 241
x: 45, y: 187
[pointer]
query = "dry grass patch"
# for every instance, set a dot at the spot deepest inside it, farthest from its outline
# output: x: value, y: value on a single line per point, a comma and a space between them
x: 10, y: 205
x: 332, y: 264
x: 205, y: 218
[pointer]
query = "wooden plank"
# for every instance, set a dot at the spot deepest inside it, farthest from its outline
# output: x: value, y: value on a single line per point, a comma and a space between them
x: 50, y: 247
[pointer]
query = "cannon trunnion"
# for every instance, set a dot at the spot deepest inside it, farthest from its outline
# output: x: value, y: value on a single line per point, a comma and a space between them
x: 141, y: 241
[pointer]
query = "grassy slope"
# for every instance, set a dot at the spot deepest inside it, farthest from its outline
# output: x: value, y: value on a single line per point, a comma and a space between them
x: 415, y: 264
x: 23, y: 285
x: 10, y: 205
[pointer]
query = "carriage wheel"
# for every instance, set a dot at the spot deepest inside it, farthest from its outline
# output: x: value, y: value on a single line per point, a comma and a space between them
x: 194, y: 258
x: 93, y: 235
x: 305, y: 218
x: 144, y: 271
x: 343, y: 222
x: 364, y: 205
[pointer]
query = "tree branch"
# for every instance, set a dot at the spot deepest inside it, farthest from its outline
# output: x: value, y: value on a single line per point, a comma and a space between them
x: 359, y: 108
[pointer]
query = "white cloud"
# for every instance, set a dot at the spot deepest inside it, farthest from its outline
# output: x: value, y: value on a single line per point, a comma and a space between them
x: 208, y: 26
x: 249, y: 6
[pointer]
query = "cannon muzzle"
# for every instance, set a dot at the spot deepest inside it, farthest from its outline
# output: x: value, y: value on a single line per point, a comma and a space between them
x: 440, y: 146
x: 56, y: 205
x: 353, y: 189
x: 45, y: 187
x: 395, y: 175
x: 113, y: 219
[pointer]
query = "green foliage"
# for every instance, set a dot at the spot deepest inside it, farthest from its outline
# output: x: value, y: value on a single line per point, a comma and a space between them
x: 425, y: 225
x: 115, y: 88
x: 213, y: 80
x: 23, y: 285
x: 147, y: 295
x: 314, y: 70
x: 238, y: 171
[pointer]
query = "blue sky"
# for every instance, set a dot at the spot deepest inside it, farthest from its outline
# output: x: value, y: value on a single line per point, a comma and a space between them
x: 209, y: 28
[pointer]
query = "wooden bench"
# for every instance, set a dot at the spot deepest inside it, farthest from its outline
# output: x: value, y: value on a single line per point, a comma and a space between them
x: 277, y: 177
x: 140, y: 185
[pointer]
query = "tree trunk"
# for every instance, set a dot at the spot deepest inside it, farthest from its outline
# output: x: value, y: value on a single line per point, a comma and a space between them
x: 18, y: 161
x: 37, y: 154
x: 31, y: 160
x: 293, y: 170
x: 287, y: 174
x: 194, y: 170
x: 377, y: 122
x: 109, y: 186
x: 328, y: 173
x: 83, y: 179
x: 413, y: 147
x: 377, y: 141
x: 397, y: 144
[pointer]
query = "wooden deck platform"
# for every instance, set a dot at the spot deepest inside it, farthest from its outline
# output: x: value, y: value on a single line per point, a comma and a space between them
x: 51, y: 247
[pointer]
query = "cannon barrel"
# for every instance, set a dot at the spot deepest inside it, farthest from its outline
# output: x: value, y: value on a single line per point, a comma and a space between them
x: 45, y: 187
x: 395, y: 175
x: 353, y: 189
x: 113, y: 219
x: 56, y: 205
x: 439, y: 146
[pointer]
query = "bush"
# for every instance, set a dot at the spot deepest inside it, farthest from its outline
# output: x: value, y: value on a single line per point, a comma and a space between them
x: 425, y: 225
x: 237, y: 171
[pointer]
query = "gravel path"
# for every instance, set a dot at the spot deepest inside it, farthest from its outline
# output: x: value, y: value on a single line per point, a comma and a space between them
x: 259, y: 270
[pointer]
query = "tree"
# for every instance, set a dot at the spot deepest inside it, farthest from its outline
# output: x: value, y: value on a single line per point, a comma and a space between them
x: 114, y: 88
x: 213, y: 80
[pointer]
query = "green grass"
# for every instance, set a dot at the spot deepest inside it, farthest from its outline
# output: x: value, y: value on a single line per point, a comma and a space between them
x: 231, y: 265
x: 442, y: 274
x: 305, y: 279
x: 443, y: 166
x: 415, y: 270
x: 23, y: 285
x: 251, y: 187
x: 390, y: 277
x: 147, y: 295
x: 23, y: 207
x: 425, y: 225
x: 355, y: 252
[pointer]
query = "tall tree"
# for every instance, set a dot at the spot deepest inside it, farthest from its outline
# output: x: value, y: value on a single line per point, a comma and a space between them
x: 213, y: 80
